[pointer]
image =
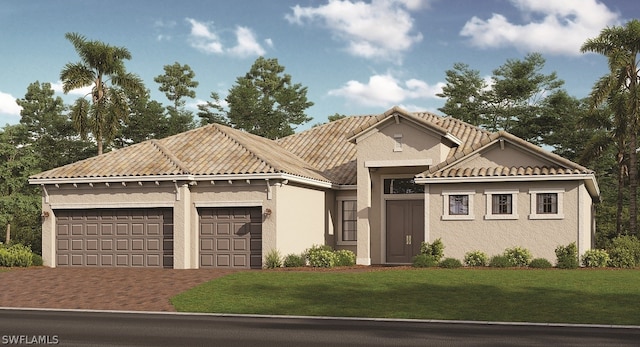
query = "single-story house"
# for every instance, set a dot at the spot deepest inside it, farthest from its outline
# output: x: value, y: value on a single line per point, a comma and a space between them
x: 378, y: 185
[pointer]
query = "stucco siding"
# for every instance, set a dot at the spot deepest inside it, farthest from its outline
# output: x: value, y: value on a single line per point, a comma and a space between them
x: 510, y: 155
x: 300, y: 219
x: 540, y: 236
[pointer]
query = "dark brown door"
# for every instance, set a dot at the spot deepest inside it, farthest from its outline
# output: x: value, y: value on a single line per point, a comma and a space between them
x: 405, y: 229
x: 231, y: 237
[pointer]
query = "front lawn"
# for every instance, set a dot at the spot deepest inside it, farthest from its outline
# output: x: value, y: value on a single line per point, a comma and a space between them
x: 554, y: 296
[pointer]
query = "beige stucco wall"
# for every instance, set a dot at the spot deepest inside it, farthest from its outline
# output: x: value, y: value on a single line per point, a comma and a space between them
x: 541, y: 237
x: 417, y: 144
x: 300, y: 221
x: 507, y: 155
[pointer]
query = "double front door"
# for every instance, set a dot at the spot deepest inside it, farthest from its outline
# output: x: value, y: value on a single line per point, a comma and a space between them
x: 405, y: 229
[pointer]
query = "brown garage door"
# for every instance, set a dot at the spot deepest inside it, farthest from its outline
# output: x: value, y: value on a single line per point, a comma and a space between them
x: 231, y: 237
x: 115, y: 237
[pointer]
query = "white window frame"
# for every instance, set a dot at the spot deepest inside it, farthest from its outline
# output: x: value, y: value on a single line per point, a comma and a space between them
x: 339, y: 235
x: 534, y: 204
x: 445, y: 205
x: 489, y: 203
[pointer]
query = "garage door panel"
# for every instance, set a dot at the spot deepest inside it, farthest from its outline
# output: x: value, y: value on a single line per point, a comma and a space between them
x: 115, y: 237
x: 234, y: 233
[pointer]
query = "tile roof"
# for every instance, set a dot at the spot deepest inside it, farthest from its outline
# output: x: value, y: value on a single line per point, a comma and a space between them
x: 210, y: 150
x: 447, y: 168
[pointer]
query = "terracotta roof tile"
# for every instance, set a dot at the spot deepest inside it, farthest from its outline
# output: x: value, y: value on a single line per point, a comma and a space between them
x: 505, y: 171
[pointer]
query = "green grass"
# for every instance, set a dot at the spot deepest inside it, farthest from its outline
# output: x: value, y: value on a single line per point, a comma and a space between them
x: 552, y: 296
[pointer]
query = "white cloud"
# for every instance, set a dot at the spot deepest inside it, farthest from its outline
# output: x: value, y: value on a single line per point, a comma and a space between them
x: 205, y: 39
x: 8, y: 105
x: 385, y: 90
x: 564, y: 26
x: 382, y: 29
x: 57, y: 87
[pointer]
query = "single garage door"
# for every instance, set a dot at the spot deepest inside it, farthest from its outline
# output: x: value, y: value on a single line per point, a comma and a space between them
x: 115, y: 237
x: 231, y: 237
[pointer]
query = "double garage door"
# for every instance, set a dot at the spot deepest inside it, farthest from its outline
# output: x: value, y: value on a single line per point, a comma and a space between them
x: 115, y: 237
x: 228, y: 237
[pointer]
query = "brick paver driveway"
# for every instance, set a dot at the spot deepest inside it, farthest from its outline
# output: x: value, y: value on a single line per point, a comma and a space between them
x: 98, y: 289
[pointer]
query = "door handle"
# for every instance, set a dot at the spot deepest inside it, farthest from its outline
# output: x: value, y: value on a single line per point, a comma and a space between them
x: 408, y: 239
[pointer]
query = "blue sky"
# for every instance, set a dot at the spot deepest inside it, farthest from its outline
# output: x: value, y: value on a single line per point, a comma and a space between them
x: 355, y: 57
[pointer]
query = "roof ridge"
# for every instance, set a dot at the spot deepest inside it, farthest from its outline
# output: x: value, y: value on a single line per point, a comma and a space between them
x: 172, y: 158
x: 230, y: 136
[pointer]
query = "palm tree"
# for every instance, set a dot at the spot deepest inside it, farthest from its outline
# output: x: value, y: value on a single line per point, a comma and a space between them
x: 621, y: 46
x: 101, y: 66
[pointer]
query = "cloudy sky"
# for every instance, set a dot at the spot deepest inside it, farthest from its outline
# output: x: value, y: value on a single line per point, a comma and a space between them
x: 355, y: 57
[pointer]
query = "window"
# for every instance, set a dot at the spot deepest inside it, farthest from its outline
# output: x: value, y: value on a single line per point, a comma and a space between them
x: 397, y: 143
x: 348, y: 220
x: 546, y: 203
x: 501, y: 204
x: 457, y: 205
x: 402, y: 186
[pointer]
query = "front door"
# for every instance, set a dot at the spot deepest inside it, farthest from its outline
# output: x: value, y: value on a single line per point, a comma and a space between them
x: 405, y: 229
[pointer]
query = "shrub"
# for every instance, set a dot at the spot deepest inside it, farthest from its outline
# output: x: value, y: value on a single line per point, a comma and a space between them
x: 36, y: 260
x: 434, y: 250
x: 16, y: 255
x: 450, y: 263
x: 630, y: 255
x: 595, y: 258
x: 500, y: 261
x: 321, y: 256
x: 345, y: 257
x: 475, y: 258
x: 518, y: 256
x: 273, y: 259
x: 540, y: 263
x: 424, y: 260
x: 294, y: 260
x: 567, y: 256
x: 621, y: 257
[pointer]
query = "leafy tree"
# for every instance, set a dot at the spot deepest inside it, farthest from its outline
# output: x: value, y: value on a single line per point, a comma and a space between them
x: 335, y: 117
x: 146, y: 121
x: 212, y: 112
x: 265, y: 102
x: 49, y: 131
x: 465, y: 93
x: 19, y: 202
x: 177, y: 84
x: 514, y: 102
x: 621, y: 46
x: 102, y: 67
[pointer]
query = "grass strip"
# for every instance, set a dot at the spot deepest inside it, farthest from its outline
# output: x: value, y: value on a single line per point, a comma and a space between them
x: 551, y: 296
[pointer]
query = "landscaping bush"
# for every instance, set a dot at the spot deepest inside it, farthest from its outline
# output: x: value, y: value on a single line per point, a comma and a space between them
x: 450, y: 263
x: 345, y: 257
x: 273, y: 259
x: 424, y: 260
x: 36, y: 260
x: 625, y: 251
x: 621, y: 257
x: 475, y: 258
x: 567, y: 256
x: 500, y: 261
x: 595, y: 258
x: 434, y: 250
x: 294, y: 260
x: 16, y: 255
x: 518, y: 256
x: 540, y: 263
x: 321, y: 256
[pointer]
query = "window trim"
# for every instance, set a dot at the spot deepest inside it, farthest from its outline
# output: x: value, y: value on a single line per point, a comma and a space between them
x: 489, y: 204
x: 339, y: 240
x: 534, y: 204
x: 445, y: 205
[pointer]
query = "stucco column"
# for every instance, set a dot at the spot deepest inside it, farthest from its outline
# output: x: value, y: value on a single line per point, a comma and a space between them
x: 363, y: 250
x: 48, y: 235
x: 182, y: 228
